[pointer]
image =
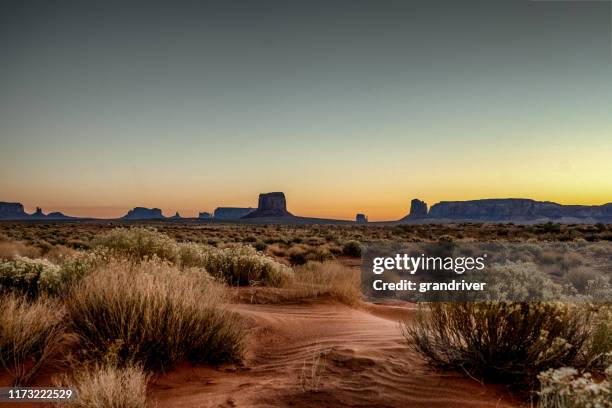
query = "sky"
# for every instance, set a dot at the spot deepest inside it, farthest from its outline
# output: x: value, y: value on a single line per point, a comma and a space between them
x: 346, y: 106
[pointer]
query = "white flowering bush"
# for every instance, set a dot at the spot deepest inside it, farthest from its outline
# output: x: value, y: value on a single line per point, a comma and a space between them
x: 239, y: 265
x: 243, y: 265
x: 22, y: 275
x: 566, y: 388
x: 138, y: 243
x: 32, y: 277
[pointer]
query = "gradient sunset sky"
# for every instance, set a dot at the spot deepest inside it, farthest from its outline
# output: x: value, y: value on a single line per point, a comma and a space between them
x: 346, y: 106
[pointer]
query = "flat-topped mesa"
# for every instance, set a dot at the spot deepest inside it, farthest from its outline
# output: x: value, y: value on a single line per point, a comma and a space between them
x: 271, y: 205
x: 418, y: 209
x: 12, y: 211
x: 517, y: 209
x: 361, y: 219
x: 204, y: 216
x: 231, y: 213
x: 142, y: 213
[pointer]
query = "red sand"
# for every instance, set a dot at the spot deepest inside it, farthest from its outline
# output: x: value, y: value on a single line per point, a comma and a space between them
x: 364, y: 362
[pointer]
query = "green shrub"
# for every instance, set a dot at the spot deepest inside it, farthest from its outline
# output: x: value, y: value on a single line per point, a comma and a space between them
x: 153, y: 314
x: 30, y: 335
x: 352, y: 249
x: 500, y: 341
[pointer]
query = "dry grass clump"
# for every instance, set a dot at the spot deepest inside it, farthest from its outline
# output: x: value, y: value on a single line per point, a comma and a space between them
x: 153, y: 314
x: 327, y: 279
x: 10, y: 249
x: 30, y: 335
x: 500, y: 341
x: 109, y: 386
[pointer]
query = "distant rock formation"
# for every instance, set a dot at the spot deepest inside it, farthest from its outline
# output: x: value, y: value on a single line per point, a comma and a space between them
x: 204, y: 216
x: 518, y: 209
x: 12, y: 211
x: 58, y: 216
x: 38, y: 214
x: 418, y: 209
x: 176, y: 216
x: 231, y: 213
x: 270, y: 205
x: 142, y: 213
x: 361, y: 219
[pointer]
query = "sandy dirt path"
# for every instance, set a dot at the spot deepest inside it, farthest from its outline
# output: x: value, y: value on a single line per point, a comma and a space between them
x: 359, y: 359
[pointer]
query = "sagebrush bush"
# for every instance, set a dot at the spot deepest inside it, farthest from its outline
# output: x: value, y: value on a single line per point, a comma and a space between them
x: 108, y: 386
x: 352, y: 248
x: 598, y: 353
x: 565, y: 388
x: 236, y: 265
x: 31, y: 334
x: 500, y: 341
x: 139, y: 243
x: 242, y: 265
x: 22, y: 275
x: 154, y: 314
x: 32, y: 277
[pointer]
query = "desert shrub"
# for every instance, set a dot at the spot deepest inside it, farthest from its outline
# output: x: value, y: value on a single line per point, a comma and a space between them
x: 32, y: 277
x: 598, y: 353
x: 352, y: 248
x: 599, y: 289
x: 297, y: 255
x: 518, y: 282
x: 153, y: 314
x: 500, y: 341
x: 109, y: 386
x: 565, y: 388
x: 260, y: 246
x: 276, y: 250
x: 580, y: 277
x: 30, y: 335
x: 242, y: 265
x: 10, y: 249
x: 22, y: 275
x: 138, y: 243
x: 332, y: 279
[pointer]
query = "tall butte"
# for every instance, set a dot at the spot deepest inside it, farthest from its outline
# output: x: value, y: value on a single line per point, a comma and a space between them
x: 271, y: 205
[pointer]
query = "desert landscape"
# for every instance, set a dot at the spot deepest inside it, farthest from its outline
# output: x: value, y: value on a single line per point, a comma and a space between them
x: 316, y: 203
x: 175, y: 314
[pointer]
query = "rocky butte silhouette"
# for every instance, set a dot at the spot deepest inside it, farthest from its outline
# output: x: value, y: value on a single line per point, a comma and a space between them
x: 507, y: 210
x: 231, y: 213
x: 142, y: 213
x: 361, y: 219
x: 15, y: 211
x: 270, y: 205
